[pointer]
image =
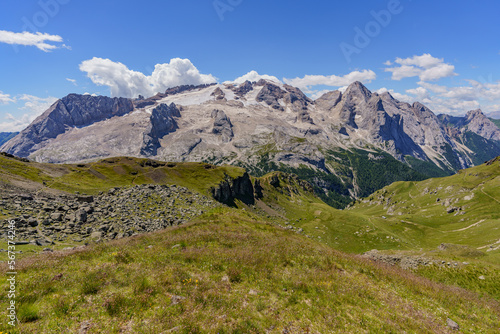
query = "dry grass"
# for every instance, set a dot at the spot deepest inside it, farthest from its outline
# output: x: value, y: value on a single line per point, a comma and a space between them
x: 228, y: 273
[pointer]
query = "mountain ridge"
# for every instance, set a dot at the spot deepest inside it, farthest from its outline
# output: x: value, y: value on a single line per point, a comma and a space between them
x: 260, y: 125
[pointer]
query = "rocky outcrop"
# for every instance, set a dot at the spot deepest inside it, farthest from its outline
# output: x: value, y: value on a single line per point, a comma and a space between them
x: 141, y: 102
x: 71, y: 111
x: 231, y: 189
x: 299, y: 103
x: 44, y: 219
x: 474, y: 121
x: 481, y: 125
x: 218, y: 94
x: 271, y: 94
x: 243, y: 89
x: 185, y: 88
x: 329, y: 100
x: 162, y: 123
x: 222, y: 125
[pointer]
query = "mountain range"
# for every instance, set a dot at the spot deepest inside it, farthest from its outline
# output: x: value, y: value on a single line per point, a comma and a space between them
x: 347, y: 144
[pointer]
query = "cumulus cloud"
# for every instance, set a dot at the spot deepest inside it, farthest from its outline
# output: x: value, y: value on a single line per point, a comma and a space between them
x: 5, y: 98
x: 458, y: 100
x: 128, y: 83
x: 32, y: 108
x: 316, y: 95
x: 426, y: 67
x: 396, y: 95
x: 308, y: 81
x: 254, y: 76
x: 420, y: 92
x: 42, y: 41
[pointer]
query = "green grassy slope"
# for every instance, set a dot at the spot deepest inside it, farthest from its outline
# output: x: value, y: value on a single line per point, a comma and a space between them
x: 103, y: 175
x: 496, y: 121
x: 230, y: 272
x: 460, y: 209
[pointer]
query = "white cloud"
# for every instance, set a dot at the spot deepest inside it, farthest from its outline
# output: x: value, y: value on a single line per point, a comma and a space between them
x: 426, y: 67
x: 253, y: 76
x: 308, y: 81
x: 493, y: 110
x: 420, y: 92
x: 458, y: 100
x: 397, y: 96
x: 316, y: 95
x: 44, y: 42
x: 128, y: 83
x: 450, y: 106
x: 425, y: 61
x: 342, y: 89
x: 33, y: 107
x: 73, y: 81
x: 5, y: 98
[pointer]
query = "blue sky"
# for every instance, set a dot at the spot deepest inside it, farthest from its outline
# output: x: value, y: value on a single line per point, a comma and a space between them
x: 442, y: 53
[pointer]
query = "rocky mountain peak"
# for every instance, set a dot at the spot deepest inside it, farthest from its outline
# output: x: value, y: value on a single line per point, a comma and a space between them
x: 357, y: 89
x: 478, y: 123
x: 471, y: 114
x: 73, y: 110
x: 243, y: 88
x: 271, y: 94
x: 329, y: 100
x: 386, y: 96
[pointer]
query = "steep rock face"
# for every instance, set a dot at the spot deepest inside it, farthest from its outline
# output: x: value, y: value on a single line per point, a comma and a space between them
x: 222, y: 125
x: 298, y: 102
x: 478, y: 123
x: 71, y: 111
x: 243, y: 89
x: 229, y: 190
x: 329, y: 100
x: 218, y: 94
x: 474, y: 121
x: 271, y: 94
x: 162, y: 123
x: 353, y: 102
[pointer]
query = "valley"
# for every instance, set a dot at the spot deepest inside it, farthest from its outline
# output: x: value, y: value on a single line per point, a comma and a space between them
x: 266, y: 244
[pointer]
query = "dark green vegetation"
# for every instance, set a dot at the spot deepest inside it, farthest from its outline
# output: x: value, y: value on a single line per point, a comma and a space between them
x: 230, y: 272
x: 6, y: 136
x: 357, y: 172
x: 496, y: 121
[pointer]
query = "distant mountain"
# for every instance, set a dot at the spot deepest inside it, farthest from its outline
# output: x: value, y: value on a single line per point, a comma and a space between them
x: 346, y: 144
x: 494, y: 114
x: 476, y: 132
x: 495, y: 121
x: 6, y: 136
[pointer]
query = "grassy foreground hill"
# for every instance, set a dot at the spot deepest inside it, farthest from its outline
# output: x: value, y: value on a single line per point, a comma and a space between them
x: 264, y: 265
x: 230, y: 272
